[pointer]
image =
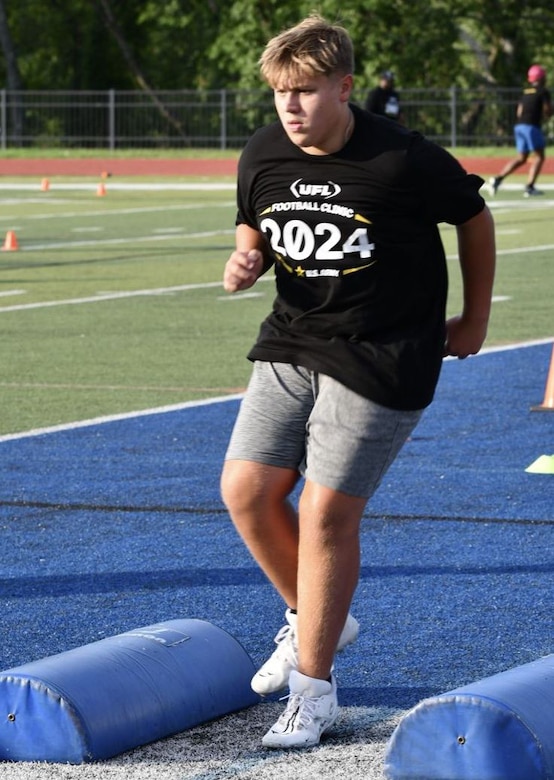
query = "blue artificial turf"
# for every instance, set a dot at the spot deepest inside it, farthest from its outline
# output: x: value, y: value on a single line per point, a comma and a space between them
x: 118, y: 525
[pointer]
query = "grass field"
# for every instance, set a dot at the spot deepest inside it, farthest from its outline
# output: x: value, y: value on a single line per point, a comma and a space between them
x: 114, y: 304
x: 205, y: 153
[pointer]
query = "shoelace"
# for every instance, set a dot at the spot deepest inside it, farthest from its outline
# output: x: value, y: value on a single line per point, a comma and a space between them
x: 301, y: 708
x: 285, y: 640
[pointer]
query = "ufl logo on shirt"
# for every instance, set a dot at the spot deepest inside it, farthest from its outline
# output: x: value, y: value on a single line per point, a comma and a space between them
x: 301, y: 189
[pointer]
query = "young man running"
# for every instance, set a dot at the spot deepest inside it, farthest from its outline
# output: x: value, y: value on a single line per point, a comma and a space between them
x: 534, y: 107
x: 345, y: 206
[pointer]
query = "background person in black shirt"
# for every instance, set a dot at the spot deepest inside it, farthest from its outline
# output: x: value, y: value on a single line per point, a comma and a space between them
x: 384, y: 99
x: 533, y: 108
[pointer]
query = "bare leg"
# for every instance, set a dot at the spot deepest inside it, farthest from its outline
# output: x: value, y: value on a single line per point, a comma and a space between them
x: 256, y: 496
x: 328, y: 571
x: 315, y: 571
x: 510, y: 167
x: 536, y: 165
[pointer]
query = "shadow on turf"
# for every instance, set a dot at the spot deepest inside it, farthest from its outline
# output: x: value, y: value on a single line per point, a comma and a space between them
x: 72, y: 584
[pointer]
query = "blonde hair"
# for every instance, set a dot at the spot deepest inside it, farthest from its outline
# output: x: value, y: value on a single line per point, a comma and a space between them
x: 314, y: 47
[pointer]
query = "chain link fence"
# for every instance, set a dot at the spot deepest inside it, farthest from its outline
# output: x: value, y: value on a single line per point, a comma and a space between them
x: 224, y: 119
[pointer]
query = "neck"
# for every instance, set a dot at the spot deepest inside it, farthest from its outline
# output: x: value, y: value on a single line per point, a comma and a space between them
x: 349, y: 127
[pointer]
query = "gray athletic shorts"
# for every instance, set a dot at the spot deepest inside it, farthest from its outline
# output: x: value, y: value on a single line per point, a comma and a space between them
x: 298, y: 419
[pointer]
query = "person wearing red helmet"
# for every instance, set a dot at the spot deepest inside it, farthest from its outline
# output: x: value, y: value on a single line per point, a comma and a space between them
x: 533, y: 108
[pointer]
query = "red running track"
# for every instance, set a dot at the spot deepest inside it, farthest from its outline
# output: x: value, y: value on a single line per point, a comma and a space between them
x: 100, y: 166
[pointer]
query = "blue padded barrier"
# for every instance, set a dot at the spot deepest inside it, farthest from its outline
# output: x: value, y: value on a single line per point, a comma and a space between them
x: 499, y: 728
x: 110, y: 696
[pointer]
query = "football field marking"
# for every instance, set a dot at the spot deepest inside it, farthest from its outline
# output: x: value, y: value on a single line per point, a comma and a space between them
x: 240, y: 296
x: 183, y: 287
x: 203, y: 402
x: 116, y: 417
x: 119, y: 212
x: 130, y: 240
x: 112, y: 296
x: 516, y: 250
x: 6, y: 293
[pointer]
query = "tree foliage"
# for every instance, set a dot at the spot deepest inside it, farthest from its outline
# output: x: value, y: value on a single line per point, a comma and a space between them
x: 211, y: 44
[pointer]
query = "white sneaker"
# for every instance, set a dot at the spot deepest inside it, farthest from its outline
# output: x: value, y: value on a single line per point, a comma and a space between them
x: 312, y: 708
x: 493, y: 184
x: 274, y: 674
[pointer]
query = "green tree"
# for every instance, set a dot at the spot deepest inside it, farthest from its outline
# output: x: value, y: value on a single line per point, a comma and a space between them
x: 64, y: 45
x: 211, y: 44
x: 180, y: 33
x: 386, y: 33
x: 502, y: 38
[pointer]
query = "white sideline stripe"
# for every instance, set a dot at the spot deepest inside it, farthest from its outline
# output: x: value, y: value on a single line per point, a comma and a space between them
x: 207, y: 401
x: 115, y: 417
x: 508, y: 347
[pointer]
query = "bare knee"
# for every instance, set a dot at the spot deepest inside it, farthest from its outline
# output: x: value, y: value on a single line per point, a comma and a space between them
x: 331, y: 515
x: 247, y: 486
x: 236, y: 485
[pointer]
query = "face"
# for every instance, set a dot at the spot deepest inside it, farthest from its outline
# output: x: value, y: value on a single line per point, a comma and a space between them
x: 313, y: 111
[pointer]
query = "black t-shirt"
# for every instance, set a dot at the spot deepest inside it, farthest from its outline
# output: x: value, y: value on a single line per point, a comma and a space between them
x: 532, y: 102
x: 384, y: 101
x: 359, y: 264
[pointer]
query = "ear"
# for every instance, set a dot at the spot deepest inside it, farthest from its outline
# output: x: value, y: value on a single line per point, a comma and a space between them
x: 346, y: 86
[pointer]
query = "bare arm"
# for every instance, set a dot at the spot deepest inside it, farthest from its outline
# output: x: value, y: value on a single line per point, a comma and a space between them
x: 248, y: 261
x: 466, y: 333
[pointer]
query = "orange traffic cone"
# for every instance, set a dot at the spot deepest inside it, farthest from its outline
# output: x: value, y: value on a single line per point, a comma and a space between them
x: 548, y: 402
x: 45, y: 185
x: 10, y: 244
x: 101, y: 190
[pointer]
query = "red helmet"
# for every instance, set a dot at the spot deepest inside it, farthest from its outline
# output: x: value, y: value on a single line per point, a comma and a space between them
x: 536, y: 73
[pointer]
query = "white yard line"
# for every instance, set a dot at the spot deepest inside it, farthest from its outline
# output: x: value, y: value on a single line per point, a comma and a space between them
x: 516, y: 250
x: 109, y: 296
x: 179, y: 288
x: 118, y: 212
x: 6, y: 293
x: 204, y: 402
x: 118, y: 241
